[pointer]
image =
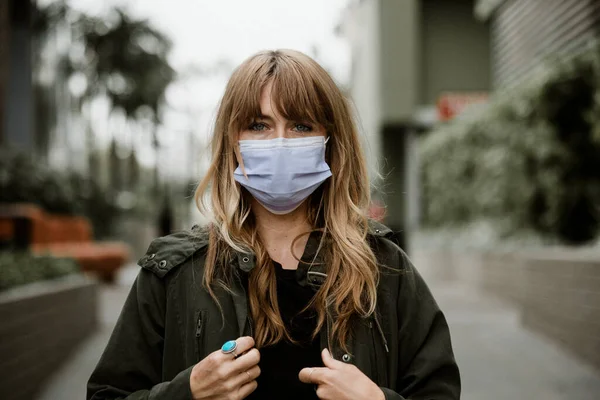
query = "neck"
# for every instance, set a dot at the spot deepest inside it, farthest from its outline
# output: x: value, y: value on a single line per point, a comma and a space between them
x: 278, y: 231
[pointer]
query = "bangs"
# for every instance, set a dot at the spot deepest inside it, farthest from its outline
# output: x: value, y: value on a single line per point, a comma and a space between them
x: 297, y: 96
x: 298, y: 90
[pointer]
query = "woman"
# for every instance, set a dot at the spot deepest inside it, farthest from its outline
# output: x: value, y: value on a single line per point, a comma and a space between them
x: 319, y: 302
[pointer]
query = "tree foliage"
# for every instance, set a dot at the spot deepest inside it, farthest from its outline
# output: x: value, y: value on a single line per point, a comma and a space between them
x: 530, y: 160
x: 123, y: 58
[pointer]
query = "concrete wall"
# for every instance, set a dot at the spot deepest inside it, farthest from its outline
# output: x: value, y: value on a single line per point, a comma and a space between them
x: 400, y: 66
x: 399, y: 27
x: 361, y: 27
x: 561, y: 299
x: 405, y: 52
x: 42, y: 324
x: 556, y: 292
x: 455, y: 51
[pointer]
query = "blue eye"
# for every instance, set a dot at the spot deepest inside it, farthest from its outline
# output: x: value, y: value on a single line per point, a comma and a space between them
x: 302, y: 128
x: 257, y: 126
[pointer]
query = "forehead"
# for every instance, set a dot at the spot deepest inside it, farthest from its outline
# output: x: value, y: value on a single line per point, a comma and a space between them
x: 266, y: 105
x: 284, y: 94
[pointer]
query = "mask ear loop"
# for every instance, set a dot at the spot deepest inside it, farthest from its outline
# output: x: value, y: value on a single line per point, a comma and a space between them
x: 327, y: 140
x: 240, y: 160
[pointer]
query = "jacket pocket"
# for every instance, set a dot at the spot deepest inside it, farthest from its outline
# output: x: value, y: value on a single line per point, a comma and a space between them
x: 201, y: 322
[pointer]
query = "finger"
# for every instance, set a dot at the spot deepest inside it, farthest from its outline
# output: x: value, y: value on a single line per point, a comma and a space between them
x: 242, y: 345
x: 247, y: 388
x: 313, y: 375
x: 321, y: 392
x: 246, y: 361
x: 247, y: 376
x: 329, y: 361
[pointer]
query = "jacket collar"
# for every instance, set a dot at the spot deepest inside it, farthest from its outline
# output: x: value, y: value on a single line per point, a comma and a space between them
x: 311, y: 269
x: 168, y: 252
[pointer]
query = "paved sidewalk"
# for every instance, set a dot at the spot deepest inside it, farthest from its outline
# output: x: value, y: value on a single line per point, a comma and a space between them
x: 498, y: 359
x: 69, y: 382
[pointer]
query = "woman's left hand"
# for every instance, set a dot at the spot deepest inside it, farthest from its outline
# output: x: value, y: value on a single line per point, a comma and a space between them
x: 340, y: 381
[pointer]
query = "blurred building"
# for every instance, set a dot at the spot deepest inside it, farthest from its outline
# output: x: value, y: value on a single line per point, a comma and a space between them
x: 4, y: 57
x: 44, y: 110
x: 37, y: 111
x: 524, y: 33
x: 16, y: 86
x: 406, y: 55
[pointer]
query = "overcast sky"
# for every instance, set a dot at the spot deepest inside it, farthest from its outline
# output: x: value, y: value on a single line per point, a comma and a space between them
x: 205, y: 32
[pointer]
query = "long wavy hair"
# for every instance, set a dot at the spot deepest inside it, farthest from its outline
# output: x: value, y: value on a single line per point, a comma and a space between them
x: 301, y: 90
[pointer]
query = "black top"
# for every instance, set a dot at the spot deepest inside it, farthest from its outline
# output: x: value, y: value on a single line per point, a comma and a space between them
x: 281, y: 363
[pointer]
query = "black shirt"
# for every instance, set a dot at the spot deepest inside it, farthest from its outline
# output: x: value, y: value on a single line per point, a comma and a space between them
x: 281, y: 363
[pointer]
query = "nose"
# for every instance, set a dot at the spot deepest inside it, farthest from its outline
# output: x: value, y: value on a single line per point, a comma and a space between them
x: 280, y: 129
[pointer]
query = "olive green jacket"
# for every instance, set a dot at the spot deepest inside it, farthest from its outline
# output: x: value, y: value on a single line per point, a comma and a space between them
x: 169, y: 323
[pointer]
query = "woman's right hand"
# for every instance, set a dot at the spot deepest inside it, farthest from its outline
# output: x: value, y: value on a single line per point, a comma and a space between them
x: 222, y: 376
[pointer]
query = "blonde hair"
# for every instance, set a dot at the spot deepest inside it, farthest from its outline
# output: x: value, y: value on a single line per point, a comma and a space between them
x: 301, y: 90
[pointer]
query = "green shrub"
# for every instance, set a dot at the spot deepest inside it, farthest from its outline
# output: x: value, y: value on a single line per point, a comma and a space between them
x: 20, y: 268
x: 96, y: 203
x: 529, y: 160
x: 23, y: 179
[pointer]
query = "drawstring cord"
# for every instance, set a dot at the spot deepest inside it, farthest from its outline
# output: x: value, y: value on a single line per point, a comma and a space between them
x: 387, y: 350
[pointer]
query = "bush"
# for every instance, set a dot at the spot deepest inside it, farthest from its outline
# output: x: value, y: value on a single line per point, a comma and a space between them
x: 19, y: 268
x: 529, y: 160
x: 24, y: 179
x: 93, y: 201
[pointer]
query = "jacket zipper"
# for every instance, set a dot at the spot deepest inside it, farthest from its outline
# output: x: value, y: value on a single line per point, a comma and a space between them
x: 200, y: 326
x: 373, y: 352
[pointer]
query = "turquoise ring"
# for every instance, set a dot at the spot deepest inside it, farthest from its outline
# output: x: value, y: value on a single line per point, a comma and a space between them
x: 229, y: 348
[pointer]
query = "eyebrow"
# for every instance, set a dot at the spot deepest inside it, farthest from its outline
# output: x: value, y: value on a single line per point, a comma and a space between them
x: 260, y: 116
x: 266, y: 117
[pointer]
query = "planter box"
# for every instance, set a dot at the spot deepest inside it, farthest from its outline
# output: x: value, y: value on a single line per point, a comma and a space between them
x: 26, y: 226
x: 556, y: 291
x: 562, y: 301
x: 42, y: 323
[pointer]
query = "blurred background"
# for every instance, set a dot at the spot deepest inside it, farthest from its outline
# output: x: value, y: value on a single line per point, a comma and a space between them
x: 481, y: 123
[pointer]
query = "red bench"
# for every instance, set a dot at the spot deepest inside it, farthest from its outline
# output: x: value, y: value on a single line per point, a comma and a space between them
x: 27, y: 226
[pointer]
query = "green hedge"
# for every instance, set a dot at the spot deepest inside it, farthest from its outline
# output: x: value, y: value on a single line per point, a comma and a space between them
x: 19, y: 268
x: 528, y: 160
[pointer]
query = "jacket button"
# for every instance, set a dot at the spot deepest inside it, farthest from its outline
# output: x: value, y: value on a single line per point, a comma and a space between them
x: 162, y: 264
x: 346, y: 358
x: 377, y: 231
x: 151, y: 256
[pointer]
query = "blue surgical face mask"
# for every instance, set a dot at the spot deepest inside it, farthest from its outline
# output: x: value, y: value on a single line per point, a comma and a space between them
x: 282, y: 173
